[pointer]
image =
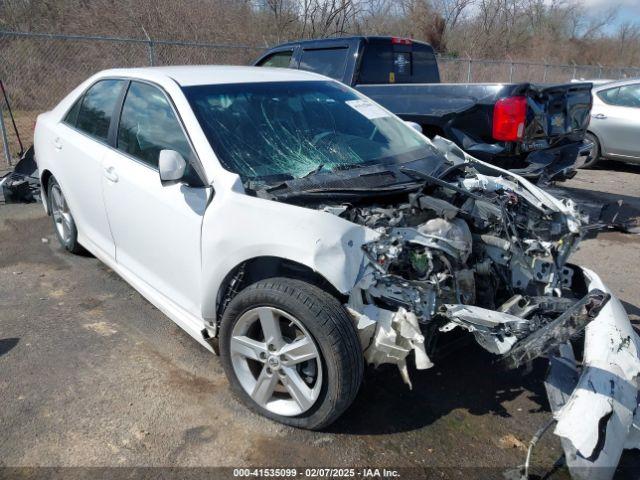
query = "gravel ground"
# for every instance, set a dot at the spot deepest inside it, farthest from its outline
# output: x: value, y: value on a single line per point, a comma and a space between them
x: 92, y: 375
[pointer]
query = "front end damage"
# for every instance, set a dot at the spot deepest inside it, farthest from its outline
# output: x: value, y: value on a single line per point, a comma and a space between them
x: 467, y: 250
x: 485, y: 252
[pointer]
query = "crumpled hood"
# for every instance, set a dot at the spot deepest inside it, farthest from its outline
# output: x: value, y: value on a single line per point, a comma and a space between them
x: 518, y: 184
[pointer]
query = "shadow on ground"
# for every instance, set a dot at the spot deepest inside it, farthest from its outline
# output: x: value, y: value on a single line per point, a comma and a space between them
x: 7, y: 344
x: 468, y: 379
x: 616, y: 166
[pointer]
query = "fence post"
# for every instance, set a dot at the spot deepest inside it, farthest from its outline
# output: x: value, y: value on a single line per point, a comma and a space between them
x: 575, y: 70
x: 469, y: 70
x: 544, y: 75
x: 152, y: 53
x: 599, y: 71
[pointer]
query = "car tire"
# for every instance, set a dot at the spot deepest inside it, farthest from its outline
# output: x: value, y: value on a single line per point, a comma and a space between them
x: 300, y: 311
x: 595, y: 150
x: 63, y: 223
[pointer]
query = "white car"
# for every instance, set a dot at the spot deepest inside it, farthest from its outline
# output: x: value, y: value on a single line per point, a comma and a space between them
x: 305, y: 231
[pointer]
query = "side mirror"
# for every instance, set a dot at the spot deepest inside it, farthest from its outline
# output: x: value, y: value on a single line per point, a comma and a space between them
x: 171, y: 166
x: 415, y: 126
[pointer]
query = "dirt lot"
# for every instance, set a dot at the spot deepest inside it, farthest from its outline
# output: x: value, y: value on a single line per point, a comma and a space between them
x: 92, y: 375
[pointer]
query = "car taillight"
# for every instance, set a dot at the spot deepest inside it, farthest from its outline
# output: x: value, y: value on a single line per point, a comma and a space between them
x: 401, y: 41
x: 509, y: 115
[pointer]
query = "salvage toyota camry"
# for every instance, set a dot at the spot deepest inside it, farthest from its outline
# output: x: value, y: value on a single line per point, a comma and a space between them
x: 301, y: 230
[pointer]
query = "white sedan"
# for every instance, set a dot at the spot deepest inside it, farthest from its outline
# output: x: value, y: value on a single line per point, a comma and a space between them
x: 301, y: 230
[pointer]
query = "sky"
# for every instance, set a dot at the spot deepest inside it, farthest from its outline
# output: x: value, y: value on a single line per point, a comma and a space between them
x: 628, y: 10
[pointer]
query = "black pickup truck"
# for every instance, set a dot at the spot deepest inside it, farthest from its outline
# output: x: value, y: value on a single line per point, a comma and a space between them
x: 536, y: 130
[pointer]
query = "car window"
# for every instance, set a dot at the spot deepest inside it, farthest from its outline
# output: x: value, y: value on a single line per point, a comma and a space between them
x: 387, y: 62
x: 97, y: 108
x: 283, y: 130
x: 327, y: 61
x: 148, y: 124
x: 609, y: 95
x: 278, y: 59
x: 629, y: 96
x: 72, y: 115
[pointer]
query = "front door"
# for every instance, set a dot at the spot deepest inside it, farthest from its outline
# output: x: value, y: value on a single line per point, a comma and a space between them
x: 156, y: 228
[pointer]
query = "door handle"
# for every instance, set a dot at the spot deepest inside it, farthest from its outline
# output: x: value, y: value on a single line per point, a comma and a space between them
x: 57, y: 144
x: 110, y: 174
x: 600, y: 116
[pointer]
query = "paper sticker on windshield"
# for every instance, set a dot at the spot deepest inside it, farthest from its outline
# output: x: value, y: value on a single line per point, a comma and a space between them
x: 368, y: 109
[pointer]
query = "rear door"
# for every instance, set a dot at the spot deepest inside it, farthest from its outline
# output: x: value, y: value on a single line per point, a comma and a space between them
x: 615, y: 119
x: 156, y: 228
x: 81, y: 145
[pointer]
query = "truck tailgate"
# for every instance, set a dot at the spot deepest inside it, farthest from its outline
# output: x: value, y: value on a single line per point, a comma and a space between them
x: 556, y: 112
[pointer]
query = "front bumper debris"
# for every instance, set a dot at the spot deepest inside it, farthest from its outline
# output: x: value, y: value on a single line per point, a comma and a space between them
x: 564, y: 328
x: 596, y: 405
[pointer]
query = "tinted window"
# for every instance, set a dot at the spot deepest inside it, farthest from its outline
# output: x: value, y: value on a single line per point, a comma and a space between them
x: 148, y: 125
x: 609, y: 96
x: 328, y: 61
x: 280, y: 60
x: 398, y: 63
x: 72, y: 115
x: 97, y: 108
x: 629, y: 96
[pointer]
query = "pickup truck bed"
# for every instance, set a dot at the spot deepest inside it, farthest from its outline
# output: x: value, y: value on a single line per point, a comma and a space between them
x: 403, y: 76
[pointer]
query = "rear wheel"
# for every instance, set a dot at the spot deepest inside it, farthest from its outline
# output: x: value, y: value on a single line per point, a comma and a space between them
x: 291, y: 352
x: 64, y: 225
x: 595, y: 150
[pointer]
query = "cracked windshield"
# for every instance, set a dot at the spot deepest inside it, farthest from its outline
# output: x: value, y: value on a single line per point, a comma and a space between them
x: 293, y: 129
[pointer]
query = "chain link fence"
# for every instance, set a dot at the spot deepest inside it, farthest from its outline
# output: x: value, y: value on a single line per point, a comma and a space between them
x: 39, y: 69
x: 460, y: 70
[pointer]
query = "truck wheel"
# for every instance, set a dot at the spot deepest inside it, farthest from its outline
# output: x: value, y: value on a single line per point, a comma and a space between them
x: 63, y: 223
x: 595, y: 150
x: 291, y: 352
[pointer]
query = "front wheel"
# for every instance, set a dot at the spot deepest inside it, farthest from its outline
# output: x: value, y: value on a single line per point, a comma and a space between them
x: 291, y: 352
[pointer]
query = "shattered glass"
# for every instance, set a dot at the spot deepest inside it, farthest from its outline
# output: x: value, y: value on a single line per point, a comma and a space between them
x: 294, y: 129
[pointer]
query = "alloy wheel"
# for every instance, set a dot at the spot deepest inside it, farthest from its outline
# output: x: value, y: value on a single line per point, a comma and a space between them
x: 276, y: 361
x: 61, y: 214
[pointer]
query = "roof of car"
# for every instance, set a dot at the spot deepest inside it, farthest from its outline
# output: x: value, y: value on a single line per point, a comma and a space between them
x: 191, y: 75
x: 617, y: 83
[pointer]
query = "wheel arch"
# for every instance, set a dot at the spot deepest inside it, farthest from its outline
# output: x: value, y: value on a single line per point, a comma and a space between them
x: 597, y: 137
x: 259, y: 268
x: 45, y: 177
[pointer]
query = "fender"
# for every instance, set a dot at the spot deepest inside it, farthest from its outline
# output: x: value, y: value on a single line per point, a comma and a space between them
x: 327, y: 244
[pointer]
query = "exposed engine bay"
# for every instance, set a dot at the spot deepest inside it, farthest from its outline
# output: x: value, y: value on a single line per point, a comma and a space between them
x: 468, y: 250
